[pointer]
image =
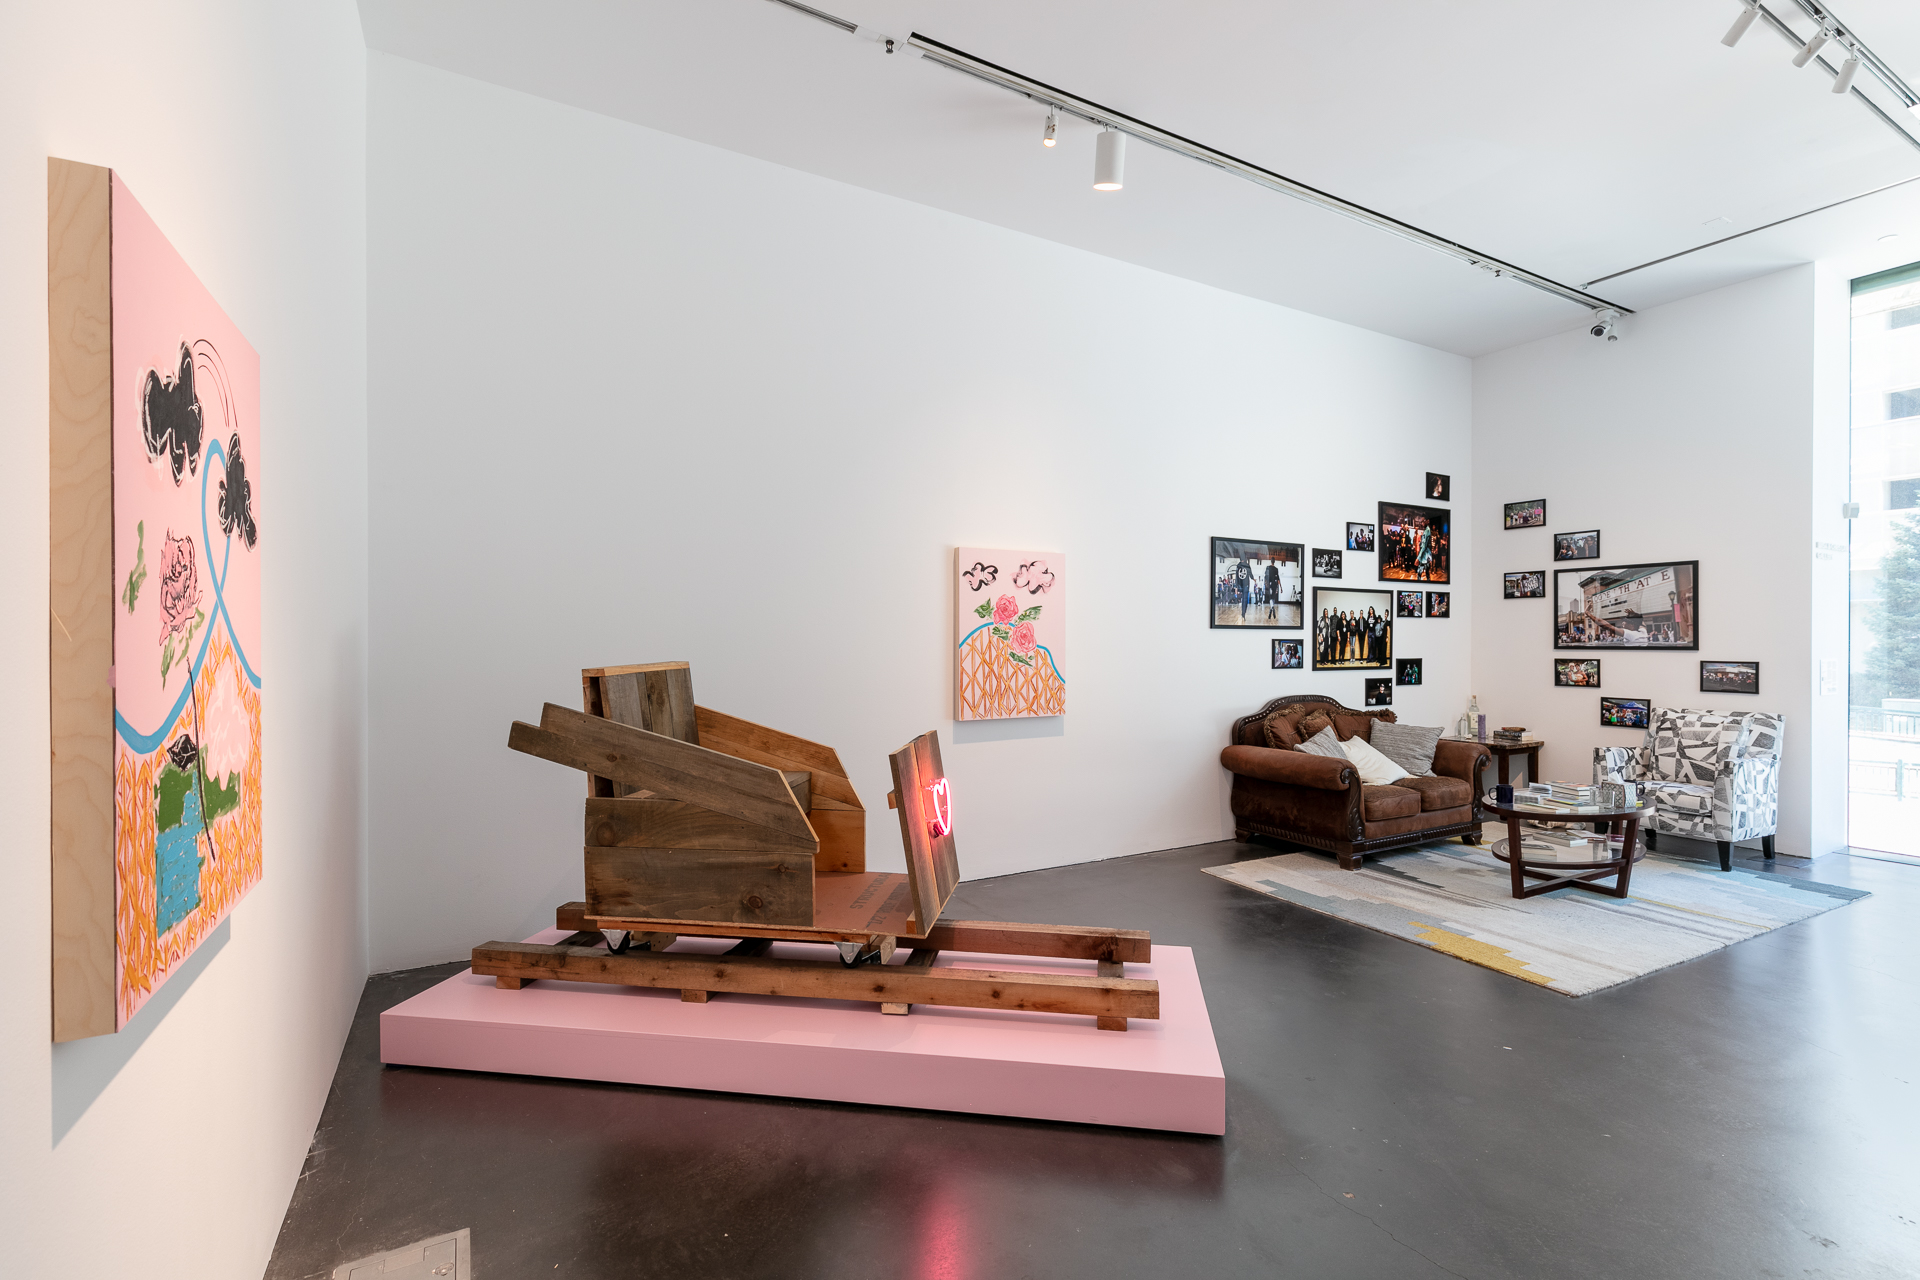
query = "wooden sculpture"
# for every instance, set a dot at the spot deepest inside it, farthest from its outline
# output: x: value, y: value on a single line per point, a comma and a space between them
x: 701, y: 824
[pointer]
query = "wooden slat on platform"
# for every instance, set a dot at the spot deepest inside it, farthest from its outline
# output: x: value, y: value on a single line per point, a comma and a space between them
x: 726, y: 886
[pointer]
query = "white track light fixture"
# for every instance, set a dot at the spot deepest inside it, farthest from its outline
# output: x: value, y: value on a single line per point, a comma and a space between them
x: 1605, y: 324
x: 1053, y: 129
x: 1843, y: 81
x: 1812, y: 47
x: 1109, y: 160
x: 1740, y: 25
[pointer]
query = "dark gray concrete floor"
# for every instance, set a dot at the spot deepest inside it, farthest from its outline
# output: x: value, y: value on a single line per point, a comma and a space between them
x: 1391, y: 1112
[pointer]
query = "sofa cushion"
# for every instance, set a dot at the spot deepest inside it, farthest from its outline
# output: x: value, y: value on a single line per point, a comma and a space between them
x: 1408, y: 745
x: 1280, y: 729
x: 1360, y: 727
x: 1310, y: 725
x: 1414, y: 824
x: 1375, y: 769
x: 1439, y: 793
x: 1377, y: 804
x: 1323, y: 743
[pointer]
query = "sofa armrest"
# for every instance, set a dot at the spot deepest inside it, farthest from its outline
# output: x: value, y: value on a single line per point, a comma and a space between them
x: 1297, y: 768
x: 1462, y: 760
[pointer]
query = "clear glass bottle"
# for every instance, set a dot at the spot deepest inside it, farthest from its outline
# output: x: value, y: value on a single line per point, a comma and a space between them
x: 1473, y: 717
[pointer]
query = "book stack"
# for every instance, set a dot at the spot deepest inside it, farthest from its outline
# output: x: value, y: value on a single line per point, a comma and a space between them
x: 1561, y: 844
x: 1568, y: 798
x: 1509, y: 734
x: 1575, y: 793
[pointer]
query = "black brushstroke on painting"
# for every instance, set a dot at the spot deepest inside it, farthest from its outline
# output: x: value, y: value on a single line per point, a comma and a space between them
x: 170, y: 417
x: 236, y: 497
x: 184, y: 753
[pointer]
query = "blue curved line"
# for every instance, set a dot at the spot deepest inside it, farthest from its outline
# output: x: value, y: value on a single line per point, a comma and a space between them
x: 1042, y: 648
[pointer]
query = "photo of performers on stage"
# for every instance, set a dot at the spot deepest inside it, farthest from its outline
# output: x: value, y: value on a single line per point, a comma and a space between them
x: 1635, y: 606
x: 1352, y: 630
x: 1415, y: 545
x: 1257, y: 584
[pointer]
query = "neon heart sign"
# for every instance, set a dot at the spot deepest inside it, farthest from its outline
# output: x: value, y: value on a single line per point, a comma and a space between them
x: 940, y: 821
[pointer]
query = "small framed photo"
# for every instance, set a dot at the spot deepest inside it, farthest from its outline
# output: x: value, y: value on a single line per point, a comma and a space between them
x: 1577, y: 546
x: 1439, y: 604
x: 1257, y: 584
x: 1439, y: 487
x: 1531, y: 514
x: 1406, y: 671
x: 1380, y: 692
x: 1409, y: 604
x: 1576, y: 673
x: 1359, y: 537
x: 1531, y: 584
x: 1729, y: 677
x: 1625, y: 713
x: 1326, y: 564
x: 1287, y: 655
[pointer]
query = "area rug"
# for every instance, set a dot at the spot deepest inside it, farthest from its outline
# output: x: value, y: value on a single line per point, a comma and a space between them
x: 1459, y: 900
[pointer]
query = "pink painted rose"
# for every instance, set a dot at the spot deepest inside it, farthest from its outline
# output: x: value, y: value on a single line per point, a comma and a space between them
x: 1005, y: 610
x: 1023, y: 640
x: 179, y: 585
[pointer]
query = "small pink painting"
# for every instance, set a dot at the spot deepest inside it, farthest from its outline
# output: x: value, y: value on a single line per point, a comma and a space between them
x: 1011, y: 623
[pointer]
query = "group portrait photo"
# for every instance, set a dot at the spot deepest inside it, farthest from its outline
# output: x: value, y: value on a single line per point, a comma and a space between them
x: 1352, y: 630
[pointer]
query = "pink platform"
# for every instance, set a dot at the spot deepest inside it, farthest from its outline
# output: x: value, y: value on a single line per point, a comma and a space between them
x: 1163, y: 1074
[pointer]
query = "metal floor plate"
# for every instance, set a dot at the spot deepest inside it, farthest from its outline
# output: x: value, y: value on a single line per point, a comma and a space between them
x: 447, y: 1257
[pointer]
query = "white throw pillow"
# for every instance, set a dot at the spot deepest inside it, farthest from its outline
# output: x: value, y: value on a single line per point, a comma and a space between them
x: 1374, y: 768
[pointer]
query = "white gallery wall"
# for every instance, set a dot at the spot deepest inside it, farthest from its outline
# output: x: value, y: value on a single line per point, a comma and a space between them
x: 635, y: 398
x: 1714, y: 430
x: 171, y: 1148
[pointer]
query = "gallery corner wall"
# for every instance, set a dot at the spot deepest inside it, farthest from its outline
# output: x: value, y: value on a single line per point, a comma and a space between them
x: 651, y: 400
x: 1710, y: 432
x: 170, y: 1147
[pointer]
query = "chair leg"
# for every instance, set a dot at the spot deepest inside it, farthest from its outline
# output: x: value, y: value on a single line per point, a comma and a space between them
x: 1766, y: 847
x: 1242, y: 834
x: 1650, y: 838
x: 1726, y: 854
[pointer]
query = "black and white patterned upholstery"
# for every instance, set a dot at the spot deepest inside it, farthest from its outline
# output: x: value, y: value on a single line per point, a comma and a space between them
x: 1714, y: 775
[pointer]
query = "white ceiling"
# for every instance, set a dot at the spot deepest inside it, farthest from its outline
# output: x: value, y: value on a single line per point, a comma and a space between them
x: 1574, y: 139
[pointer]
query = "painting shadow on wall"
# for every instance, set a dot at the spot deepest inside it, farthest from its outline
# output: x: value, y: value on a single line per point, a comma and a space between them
x: 82, y: 1069
x: 965, y: 731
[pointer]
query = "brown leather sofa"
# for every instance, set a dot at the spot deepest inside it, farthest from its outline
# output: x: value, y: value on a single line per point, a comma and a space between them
x: 1320, y: 802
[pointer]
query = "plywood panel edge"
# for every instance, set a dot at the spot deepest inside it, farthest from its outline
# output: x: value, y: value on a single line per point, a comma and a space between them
x: 80, y: 595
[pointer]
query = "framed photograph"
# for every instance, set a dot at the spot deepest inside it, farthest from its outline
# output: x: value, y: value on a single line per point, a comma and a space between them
x: 1257, y: 584
x: 1529, y: 584
x: 1380, y: 692
x: 1359, y: 537
x: 1729, y: 677
x: 1408, y: 604
x: 1287, y: 655
x: 1415, y: 543
x: 1531, y: 514
x: 1406, y: 671
x: 1326, y: 564
x: 1439, y: 487
x: 1352, y: 629
x: 1439, y: 604
x: 1625, y: 713
x: 1576, y: 673
x: 1577, y: 546
x: 1631, y: 606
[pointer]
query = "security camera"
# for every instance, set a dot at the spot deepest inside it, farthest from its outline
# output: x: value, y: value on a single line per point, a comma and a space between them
x: 1604, y: 321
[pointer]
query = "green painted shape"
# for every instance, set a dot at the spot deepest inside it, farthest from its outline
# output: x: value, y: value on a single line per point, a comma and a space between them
x: 223, y: 800
x: 138, y: 574
x: 170, y: 795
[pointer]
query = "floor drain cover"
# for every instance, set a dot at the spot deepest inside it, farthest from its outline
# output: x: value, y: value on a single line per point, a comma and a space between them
x: 445, y: 1257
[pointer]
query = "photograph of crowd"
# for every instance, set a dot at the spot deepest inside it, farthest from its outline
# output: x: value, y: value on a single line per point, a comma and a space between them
x: 1326, y: 564
x: 1729, y: 677
x: 1439, y: 604
x: 1625, y: 713
x: 1415, y: 545
x: 1576, y: 673
x: 1635, y: 606
x: 1439, y: 487
x: 1380, y: 692
x: 1257, y: 584
x: 1352, y: 630
x: 1528, y: 585
x: 1531, y: 514
x: 1287, y: 655
x: 1359, y: 537
x: 1408, y: 604
x: 1577, y: 546
x: 1406, y: 671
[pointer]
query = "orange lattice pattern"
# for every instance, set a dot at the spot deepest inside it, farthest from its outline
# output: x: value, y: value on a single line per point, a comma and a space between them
x: 993, y: 686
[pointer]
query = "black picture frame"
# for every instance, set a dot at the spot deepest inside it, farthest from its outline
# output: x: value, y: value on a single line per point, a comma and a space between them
x: 1376, y: 650
x: 1289, y: 655
x: 1439, y: 604
x: 1409, y: 604
x: 1403, y: 555
x: 1227, y: 609
x: 1730, y: 677
x: 1612, y: 612
x: 1574, y: 546
x: 1379, y: 692
x: 1530, y: 514
x: 1359, y: 536
x: 1326, y: 562
x: 1439, y: 487
x: 1625, y: 713
x: 1524, y: 584
x: 1576, y: 673
x: 1406, y: 671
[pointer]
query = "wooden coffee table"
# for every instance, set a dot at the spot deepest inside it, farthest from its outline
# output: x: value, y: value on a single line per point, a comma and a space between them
x: 1620, y: 869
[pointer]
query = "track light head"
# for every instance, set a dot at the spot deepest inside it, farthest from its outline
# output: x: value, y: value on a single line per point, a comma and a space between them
x: 1813, y: 44
x: 1606, y: 324
x: 1053, y: 126
x: 1740, y: 25
x: 1844, y: 80
x: 1109, y: 160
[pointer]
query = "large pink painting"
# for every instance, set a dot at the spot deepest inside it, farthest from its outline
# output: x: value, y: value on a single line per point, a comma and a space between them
x: 1011, y: 619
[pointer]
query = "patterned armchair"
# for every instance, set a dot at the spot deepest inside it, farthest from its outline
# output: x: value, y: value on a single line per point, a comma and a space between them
x: 1714, y: 775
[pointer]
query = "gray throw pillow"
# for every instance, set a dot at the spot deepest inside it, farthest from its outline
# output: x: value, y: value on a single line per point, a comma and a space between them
x: 1324, y: 743
x: 1408, y: 745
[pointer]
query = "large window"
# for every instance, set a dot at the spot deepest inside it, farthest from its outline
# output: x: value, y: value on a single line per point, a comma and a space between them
x: 1884, y: 668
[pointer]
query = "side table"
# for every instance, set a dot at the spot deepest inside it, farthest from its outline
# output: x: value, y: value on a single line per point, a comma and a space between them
x: 1502, y: 751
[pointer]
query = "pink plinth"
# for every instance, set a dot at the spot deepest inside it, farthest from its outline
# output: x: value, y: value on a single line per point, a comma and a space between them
x: 1161, y: 1074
